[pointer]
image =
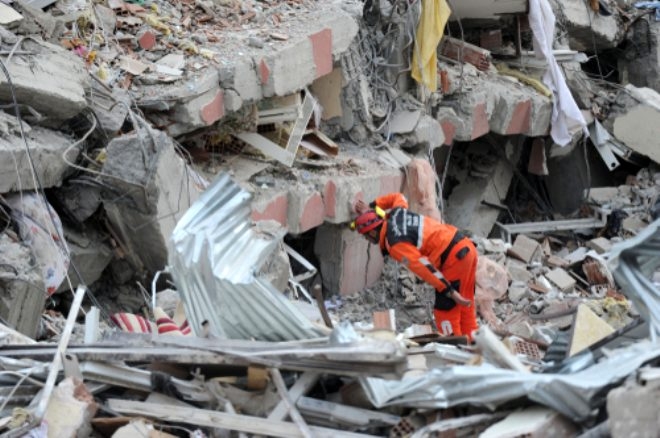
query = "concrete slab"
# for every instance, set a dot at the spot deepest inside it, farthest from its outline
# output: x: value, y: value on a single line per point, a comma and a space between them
x: 46, y: 150
x: 56, y: 89
x: 561, y: 279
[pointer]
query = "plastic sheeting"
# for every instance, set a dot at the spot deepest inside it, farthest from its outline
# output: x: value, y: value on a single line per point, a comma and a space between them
x: 40, y: 228
x: 575, y: 394
x: 213, y: 257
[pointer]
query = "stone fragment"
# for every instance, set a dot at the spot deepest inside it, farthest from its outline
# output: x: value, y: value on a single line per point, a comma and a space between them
x: 517, y: 291
x: 633, y: 409
x: 600, y: 244
x: 89, y: 254
x: 525, y: 249
x: 22, y: 297
x: 561, y: 279
x: 56, y: 89
x: 518, y: 270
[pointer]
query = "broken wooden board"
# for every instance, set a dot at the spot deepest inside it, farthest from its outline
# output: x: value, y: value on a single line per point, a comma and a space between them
x: 208, y: 418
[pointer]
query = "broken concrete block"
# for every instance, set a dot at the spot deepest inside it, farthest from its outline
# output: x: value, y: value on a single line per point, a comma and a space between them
x: 534, y: 422
x: 561, y: 279
x: 56, y: 89
x: 46, y: 149
x: 70, y: 410
x: 641, y: 69
x: 588, y: 329
x: 638, y: 127
x: 517, y: 291
x: 488, y: 177
x: 600, y: 244
x: 426, y: 133
x: 603, y: 195
x: 89, y: 254
x: 22, y: 297
x: 587, y: 30
x: 110, y: 110
x: 77, y: 201
x: 525, y: 249
x: 518, y: 270
x: 633, y: 224
x: 158, y: 186
x: 349, y: 262
x: 633, y: 411
x: 276, y: 268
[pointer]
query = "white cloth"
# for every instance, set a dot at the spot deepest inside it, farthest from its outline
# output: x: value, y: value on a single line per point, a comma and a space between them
x: 566, y: 115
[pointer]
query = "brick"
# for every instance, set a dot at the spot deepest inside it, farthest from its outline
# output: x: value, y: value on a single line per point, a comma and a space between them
x: 450, y: 131
x: 330, y: 199
x: 274, y: 208
x: 491, y: 39
x: 147, y: 40
x: 264, y: 72
x: 520, y: 119
x: 465, y: 52
x: 384, y: 320
x: 214, y: 110
x: 312, y: 214
x: 480, y: 124
x: 322, y: 51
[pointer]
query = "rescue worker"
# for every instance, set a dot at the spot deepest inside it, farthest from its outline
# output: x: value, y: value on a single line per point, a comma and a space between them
x: 437, y: 253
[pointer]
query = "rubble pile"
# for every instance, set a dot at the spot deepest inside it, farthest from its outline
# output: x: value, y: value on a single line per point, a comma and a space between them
x: 177, y: 181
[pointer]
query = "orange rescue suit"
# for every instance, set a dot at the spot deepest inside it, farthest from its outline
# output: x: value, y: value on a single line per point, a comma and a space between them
x: 438, y: 254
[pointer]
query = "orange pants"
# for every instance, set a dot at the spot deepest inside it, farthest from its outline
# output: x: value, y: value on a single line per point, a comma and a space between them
x: 460, y: 320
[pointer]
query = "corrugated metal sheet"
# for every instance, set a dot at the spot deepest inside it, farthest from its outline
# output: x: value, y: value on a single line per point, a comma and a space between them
x: 213, y: 256
x: 575, y: 393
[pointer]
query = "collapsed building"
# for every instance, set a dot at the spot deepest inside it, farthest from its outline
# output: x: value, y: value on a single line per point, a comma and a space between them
x: 190, y: 168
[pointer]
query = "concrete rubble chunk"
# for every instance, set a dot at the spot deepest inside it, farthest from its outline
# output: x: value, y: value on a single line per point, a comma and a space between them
x: 518, y: 270
x: 78, y: 201
x: 588, y: 30
x: 561, y: 279
x: 517, y: 291
x: 46, y: 149
x: 600, y: 244
x: 525, y: 249
x: 89, y: 254
x: 56, y: 88
x: 637, y: 128
x: 350, y: 262
x: 632, y: 409
x: 21, y: 288
x: 603, y: 195
x: 158, y: 186
x: 111, y: 109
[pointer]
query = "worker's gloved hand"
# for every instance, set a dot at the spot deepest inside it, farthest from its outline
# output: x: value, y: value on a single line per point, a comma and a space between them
x: 459, y: 298
x: 361, y: 207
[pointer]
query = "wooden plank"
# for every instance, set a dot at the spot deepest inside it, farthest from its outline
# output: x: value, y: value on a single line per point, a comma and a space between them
x: 300, y: 388
x: 291, y: 408
x: 208, y: 418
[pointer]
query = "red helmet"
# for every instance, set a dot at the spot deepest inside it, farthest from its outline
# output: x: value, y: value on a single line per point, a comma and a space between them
x: 367, y: 221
